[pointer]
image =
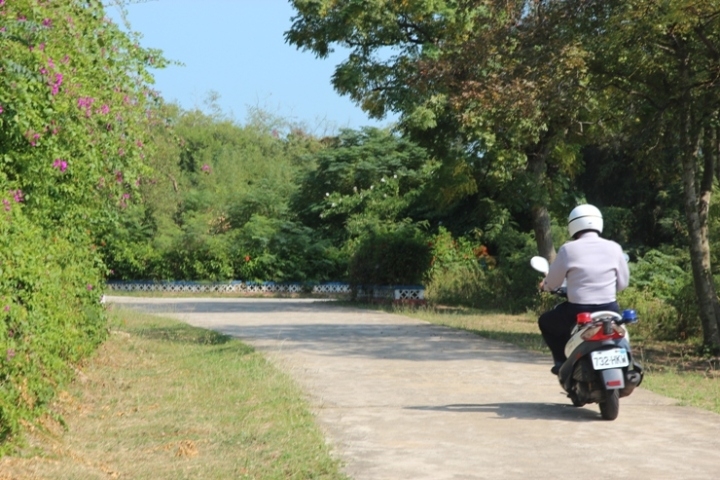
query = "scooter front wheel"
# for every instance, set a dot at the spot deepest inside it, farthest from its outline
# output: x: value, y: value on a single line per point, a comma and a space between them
x: 610, y: 408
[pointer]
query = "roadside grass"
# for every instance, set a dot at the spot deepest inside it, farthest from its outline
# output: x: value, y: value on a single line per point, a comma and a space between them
x: 164, y: 400
x: 673, y: 369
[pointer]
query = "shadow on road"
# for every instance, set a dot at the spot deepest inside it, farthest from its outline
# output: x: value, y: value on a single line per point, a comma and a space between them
x: 412, y: 342
x: 393, y: 338
x: 520, y: 410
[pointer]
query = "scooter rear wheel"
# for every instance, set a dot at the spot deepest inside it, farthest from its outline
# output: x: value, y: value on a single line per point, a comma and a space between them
x: 610, y: 408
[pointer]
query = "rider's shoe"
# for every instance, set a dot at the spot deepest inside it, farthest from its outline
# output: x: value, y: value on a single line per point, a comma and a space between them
x: 556, y: 368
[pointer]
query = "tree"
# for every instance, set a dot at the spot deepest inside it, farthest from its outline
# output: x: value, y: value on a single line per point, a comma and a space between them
x: 364, y: 181
x: 660, y: 63
x: 215, y: 205
x: 76, y: 101
x: 486, y: 86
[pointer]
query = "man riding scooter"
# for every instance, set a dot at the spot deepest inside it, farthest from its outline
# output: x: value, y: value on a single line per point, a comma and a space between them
x: 595, y: 270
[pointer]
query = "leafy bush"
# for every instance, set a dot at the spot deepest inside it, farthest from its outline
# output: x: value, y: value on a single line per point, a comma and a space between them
x: 464, y: 273
x: 466, y: 285
x: 74, y: 111
x: 663, y: 293
x: 655, y: 316
x: 279, y: 250
x: 50, y: 287
x: 459, y: 272
x: 397, y: 257
x: 663, y: 274
x: 516, y: 284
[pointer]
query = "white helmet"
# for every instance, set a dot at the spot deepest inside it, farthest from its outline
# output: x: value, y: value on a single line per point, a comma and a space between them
x: 585, y: 217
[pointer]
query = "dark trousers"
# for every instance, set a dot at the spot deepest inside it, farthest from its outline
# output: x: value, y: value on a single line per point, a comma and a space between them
x: 556, y: 324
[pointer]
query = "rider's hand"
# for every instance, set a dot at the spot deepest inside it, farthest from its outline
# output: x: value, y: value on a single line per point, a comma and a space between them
x: 541, y: 286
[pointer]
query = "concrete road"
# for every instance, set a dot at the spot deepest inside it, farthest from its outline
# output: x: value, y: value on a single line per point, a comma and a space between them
x: 401, y: 399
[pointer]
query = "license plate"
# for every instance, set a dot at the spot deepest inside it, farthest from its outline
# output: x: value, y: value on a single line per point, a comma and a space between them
x: 613, y: 358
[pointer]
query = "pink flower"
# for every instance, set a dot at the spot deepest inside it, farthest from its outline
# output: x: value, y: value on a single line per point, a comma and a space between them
x: 47, y: 23
x: 205, y: 168
x: 18, y: 195
x: 7, y: 209
x: 55, y: 87
x: 105, y: 109
x: 118, y: 176
x: 1, y: 109
x: 60, y: 164
x: 85, y: 103
x: 89, y: 287
x: 10, y: 354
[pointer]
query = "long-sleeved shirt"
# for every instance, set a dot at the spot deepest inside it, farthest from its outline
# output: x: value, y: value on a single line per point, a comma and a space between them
x: 595, y: 269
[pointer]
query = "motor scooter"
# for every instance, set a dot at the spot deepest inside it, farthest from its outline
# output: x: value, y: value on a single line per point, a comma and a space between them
x: 600, y: 367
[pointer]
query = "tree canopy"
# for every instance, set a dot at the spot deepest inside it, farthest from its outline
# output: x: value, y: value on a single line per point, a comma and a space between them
x: 525, y: 87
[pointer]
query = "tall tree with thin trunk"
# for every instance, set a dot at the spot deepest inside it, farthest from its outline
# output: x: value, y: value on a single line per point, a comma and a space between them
x: 660, y: 63
x: 488, y: 75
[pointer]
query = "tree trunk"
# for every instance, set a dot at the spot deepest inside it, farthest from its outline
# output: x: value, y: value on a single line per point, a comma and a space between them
x: 696, y: 212
x: 543, y: 235
x: 539, y: 211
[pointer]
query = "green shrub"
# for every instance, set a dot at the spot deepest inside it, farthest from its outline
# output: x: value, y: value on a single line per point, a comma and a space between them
x: 458, y: 276
x: 516, y: 286
x: 662, y: 274
x: 271, y: 249
x: 687, y: 323
x: 50, y: 287
x: 464, y: 273
x: 398, y: 257
x: 464, y: 284
x: 656, y: 316
x: 74, y: 112
x: 663, y: 293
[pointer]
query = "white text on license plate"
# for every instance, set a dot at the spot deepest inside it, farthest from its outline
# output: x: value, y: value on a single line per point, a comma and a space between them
x: 614, y: 358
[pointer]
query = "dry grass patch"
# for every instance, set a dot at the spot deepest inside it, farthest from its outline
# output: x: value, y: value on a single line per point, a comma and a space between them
x: 163, y: 400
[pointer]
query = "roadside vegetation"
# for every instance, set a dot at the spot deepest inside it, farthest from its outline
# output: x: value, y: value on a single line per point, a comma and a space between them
x: 510, y: 114
x: 164, y: 400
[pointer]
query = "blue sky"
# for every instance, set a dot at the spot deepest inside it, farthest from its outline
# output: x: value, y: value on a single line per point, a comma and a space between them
x: 237, y: 49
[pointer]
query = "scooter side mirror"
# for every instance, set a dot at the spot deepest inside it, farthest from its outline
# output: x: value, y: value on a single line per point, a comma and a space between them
x: 540, y: 264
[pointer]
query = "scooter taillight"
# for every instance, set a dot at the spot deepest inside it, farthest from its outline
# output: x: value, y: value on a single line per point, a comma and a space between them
x: 597, y: 333
x: 583, y: 318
